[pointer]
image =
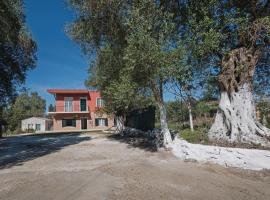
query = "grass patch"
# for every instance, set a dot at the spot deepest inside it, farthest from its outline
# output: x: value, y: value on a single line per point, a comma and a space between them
x: 171, y: 125
x: 197, y: 136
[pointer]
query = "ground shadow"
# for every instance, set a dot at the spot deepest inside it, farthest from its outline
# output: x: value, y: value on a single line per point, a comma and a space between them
x: 19, y: 149
x: 134, y: 141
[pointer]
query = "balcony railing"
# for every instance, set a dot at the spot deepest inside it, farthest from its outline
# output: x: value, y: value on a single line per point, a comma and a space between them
x: 69, y: 109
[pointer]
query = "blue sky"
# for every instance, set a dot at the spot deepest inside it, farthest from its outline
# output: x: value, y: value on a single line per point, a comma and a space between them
x: 60, y: 63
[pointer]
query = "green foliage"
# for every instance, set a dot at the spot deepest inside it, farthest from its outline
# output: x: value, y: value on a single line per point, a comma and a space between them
x: 149, y: 52
x: 177, y: 111
x: 204, y: 108
x: 264, y: 110
x: 214, y: 28
x: 197, y: 136
x: 140, y: 46
x: 98, y: 23
x: 51, y: 108
x: 17, y: 48
x: 123, y: 96
x: 101, y: 28
x: 25, y: 106
x: 132, y: 41
x: 211, y: 29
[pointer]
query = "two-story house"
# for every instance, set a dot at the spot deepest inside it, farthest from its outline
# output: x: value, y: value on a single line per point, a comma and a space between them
x: 79, y: 110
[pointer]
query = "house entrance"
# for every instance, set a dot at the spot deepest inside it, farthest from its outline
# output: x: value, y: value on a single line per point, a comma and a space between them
x: 83, y: 123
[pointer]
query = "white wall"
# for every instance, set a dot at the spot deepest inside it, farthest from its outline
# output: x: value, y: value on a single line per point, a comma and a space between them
x: 34, y: 121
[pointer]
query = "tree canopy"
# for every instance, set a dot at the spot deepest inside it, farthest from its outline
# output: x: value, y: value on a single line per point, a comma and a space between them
x: 26, y: 105
x: 17, y: 48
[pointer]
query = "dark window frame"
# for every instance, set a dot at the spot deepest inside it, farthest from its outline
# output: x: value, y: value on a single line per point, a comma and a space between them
x: 98, y: 124
x: 69, y: 122
x: 37, y: 125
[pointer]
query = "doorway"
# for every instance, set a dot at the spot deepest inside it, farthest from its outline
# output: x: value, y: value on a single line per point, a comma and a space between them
x: 83, y: 123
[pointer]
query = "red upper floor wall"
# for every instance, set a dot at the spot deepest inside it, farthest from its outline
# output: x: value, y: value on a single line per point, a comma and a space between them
x: 76, y: 96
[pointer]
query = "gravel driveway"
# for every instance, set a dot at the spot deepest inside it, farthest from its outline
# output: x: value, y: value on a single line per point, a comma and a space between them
x: 94, y: 166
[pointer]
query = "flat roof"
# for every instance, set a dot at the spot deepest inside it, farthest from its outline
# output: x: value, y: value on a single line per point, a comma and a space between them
x: 42, y: 118
x: 66, y: 91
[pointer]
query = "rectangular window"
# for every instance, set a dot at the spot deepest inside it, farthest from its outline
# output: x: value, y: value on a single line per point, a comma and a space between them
x: 100, y: 102
x: 83, y: 103
x: 30, y: 126
x: 68, y: 122
x: 68, y: 104
x: 37, y: 127
x: 101, y: 122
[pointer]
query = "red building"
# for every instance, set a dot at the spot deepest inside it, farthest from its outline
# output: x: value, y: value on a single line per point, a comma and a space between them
x: 79, y: 110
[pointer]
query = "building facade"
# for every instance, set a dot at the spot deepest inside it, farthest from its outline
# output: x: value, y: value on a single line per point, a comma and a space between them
x: 79, y: 110
x: 37, y: 124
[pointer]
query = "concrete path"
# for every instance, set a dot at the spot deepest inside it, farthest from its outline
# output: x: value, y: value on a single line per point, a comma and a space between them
x: 93, y: 166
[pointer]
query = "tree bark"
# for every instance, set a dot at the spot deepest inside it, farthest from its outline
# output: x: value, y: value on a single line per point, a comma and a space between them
x: 164, y: 125
x: 158, y: 95
x: 120, y: 124
x: 190, y: 117
x: 235, y: 120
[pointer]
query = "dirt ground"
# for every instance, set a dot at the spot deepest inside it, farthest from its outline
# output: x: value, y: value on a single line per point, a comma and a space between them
x: 93, y: 166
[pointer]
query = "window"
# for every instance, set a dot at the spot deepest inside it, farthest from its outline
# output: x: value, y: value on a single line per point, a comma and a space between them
x: 68, y: 104
x: 100, y: 102
x: 101, y: 122
x: 37, y: 127
x: 69, y: 122
x: 83, y: 103
x: 30, y: 126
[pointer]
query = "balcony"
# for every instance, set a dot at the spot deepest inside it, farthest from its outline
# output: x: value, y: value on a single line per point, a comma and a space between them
x: 69, y: 109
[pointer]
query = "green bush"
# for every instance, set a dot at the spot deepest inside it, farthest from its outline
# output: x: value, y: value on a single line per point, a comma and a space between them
x: 197, y: 136
x: 18, y: 131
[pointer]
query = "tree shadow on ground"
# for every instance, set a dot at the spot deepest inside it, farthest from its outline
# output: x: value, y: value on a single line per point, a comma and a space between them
x: 16, y: 150
x: 134, y: 142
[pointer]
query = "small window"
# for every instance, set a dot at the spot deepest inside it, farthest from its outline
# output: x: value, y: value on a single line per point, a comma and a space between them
x: 69, y: 122
x: 30, y: 126
x: 101, y: 122
x: 83, y: 104
x: 37, y: 127
x: 100, y: 102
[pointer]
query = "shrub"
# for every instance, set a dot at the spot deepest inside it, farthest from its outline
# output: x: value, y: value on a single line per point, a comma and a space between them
x: 197, y: 136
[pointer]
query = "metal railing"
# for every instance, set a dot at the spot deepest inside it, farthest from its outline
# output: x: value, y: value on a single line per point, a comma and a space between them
x: 74, y: 108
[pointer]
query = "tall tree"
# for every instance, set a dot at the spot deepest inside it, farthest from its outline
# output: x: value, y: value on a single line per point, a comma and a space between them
x: 183, y: 82
x: 136, y: 38
x: 17, y: 48
x: 17, y: 51
x: 100, y: 30
x: 232, y: 35
x: 150, y: 52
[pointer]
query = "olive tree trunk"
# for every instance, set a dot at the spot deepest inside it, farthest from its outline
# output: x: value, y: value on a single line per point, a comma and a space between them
x: 190, y: 117
x: 120, y: 123
x: 164, y: 125
x: 158, y: 95
x: 235, y: 120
